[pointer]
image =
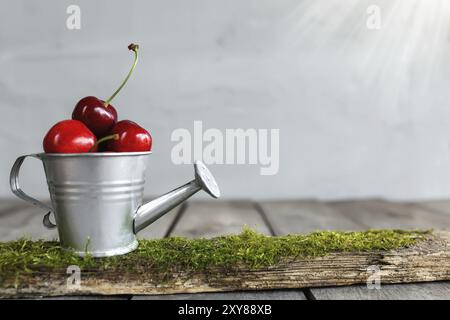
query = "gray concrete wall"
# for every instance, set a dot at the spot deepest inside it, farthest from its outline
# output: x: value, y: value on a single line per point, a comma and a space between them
x: 361, y: 112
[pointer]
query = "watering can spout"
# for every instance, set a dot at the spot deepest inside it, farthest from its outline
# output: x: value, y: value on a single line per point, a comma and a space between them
x: 151, y: 211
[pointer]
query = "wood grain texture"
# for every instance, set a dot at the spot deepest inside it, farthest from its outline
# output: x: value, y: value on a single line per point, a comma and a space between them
x: 428, y: 260
x: 440, y: 206
x: 25, y: 222
x: 230, y: 218
x: 238, y: 295
x: 8, y: 206
x: 394, y: 215
x: 309, y: 215
x: 413, y: 291
x: 87, y: 297
x: 210, y: 219
x: 304, y: 216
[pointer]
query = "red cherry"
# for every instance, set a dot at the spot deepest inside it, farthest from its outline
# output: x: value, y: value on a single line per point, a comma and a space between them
x: 98, y: 115
x: 69, y: 136
x: 95, y: 114
x: 128, y: 136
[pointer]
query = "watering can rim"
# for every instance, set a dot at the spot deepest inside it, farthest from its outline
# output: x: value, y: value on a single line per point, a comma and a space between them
x: 91, y: 154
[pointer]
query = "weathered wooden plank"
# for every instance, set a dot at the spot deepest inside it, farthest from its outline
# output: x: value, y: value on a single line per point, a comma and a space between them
x: 25, y: 222
x: 10, y: 205
x: 212, y: 218
x: 428, y: 260
x: 88, y: 297
x: 347, y: 215
x: 381, y: 214
x: 304, y: 216
x: 301, y: 216
x: 239, y: 295
x: 419, y: 291
x: 441, y: 206
x: 384, y: 214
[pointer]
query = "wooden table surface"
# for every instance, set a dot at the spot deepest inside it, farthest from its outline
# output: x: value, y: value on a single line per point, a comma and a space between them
x: 213, y: 218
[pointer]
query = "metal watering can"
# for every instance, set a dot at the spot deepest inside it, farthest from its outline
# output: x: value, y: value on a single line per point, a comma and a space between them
x: 97, y: 198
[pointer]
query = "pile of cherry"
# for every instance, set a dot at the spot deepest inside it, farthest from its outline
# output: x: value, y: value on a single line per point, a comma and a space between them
x: 94, y: 127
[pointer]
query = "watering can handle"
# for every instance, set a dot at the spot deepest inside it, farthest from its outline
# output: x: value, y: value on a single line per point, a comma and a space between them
x: 15, y: 188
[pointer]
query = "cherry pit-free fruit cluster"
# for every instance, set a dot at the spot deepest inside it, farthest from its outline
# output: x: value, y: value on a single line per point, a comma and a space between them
x: 94, y: 127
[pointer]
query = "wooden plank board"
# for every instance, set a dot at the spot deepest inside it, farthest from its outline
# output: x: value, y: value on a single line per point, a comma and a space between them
x: 414, y: 291
x: 301, y: 216
x: 380, y: 214
x: 212, y: 218
x: 384, y: 214
x: 428, y: 260
x: 25, y: 222
x: 239, y: 295
x: 87, y: 297
x: 394, y: 215
x: 440, y: 206
x: 304, y: 216
x: 8, y: 206
x: 286, y: 217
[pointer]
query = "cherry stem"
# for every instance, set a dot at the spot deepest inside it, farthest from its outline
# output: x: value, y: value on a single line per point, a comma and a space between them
x: 131, y: 47
x: 105, y: 138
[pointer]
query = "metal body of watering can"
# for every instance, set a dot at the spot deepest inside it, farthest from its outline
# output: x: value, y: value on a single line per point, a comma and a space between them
x: 97, y: 198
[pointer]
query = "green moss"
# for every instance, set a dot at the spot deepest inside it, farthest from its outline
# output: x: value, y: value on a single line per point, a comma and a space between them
x: 249, y: 249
